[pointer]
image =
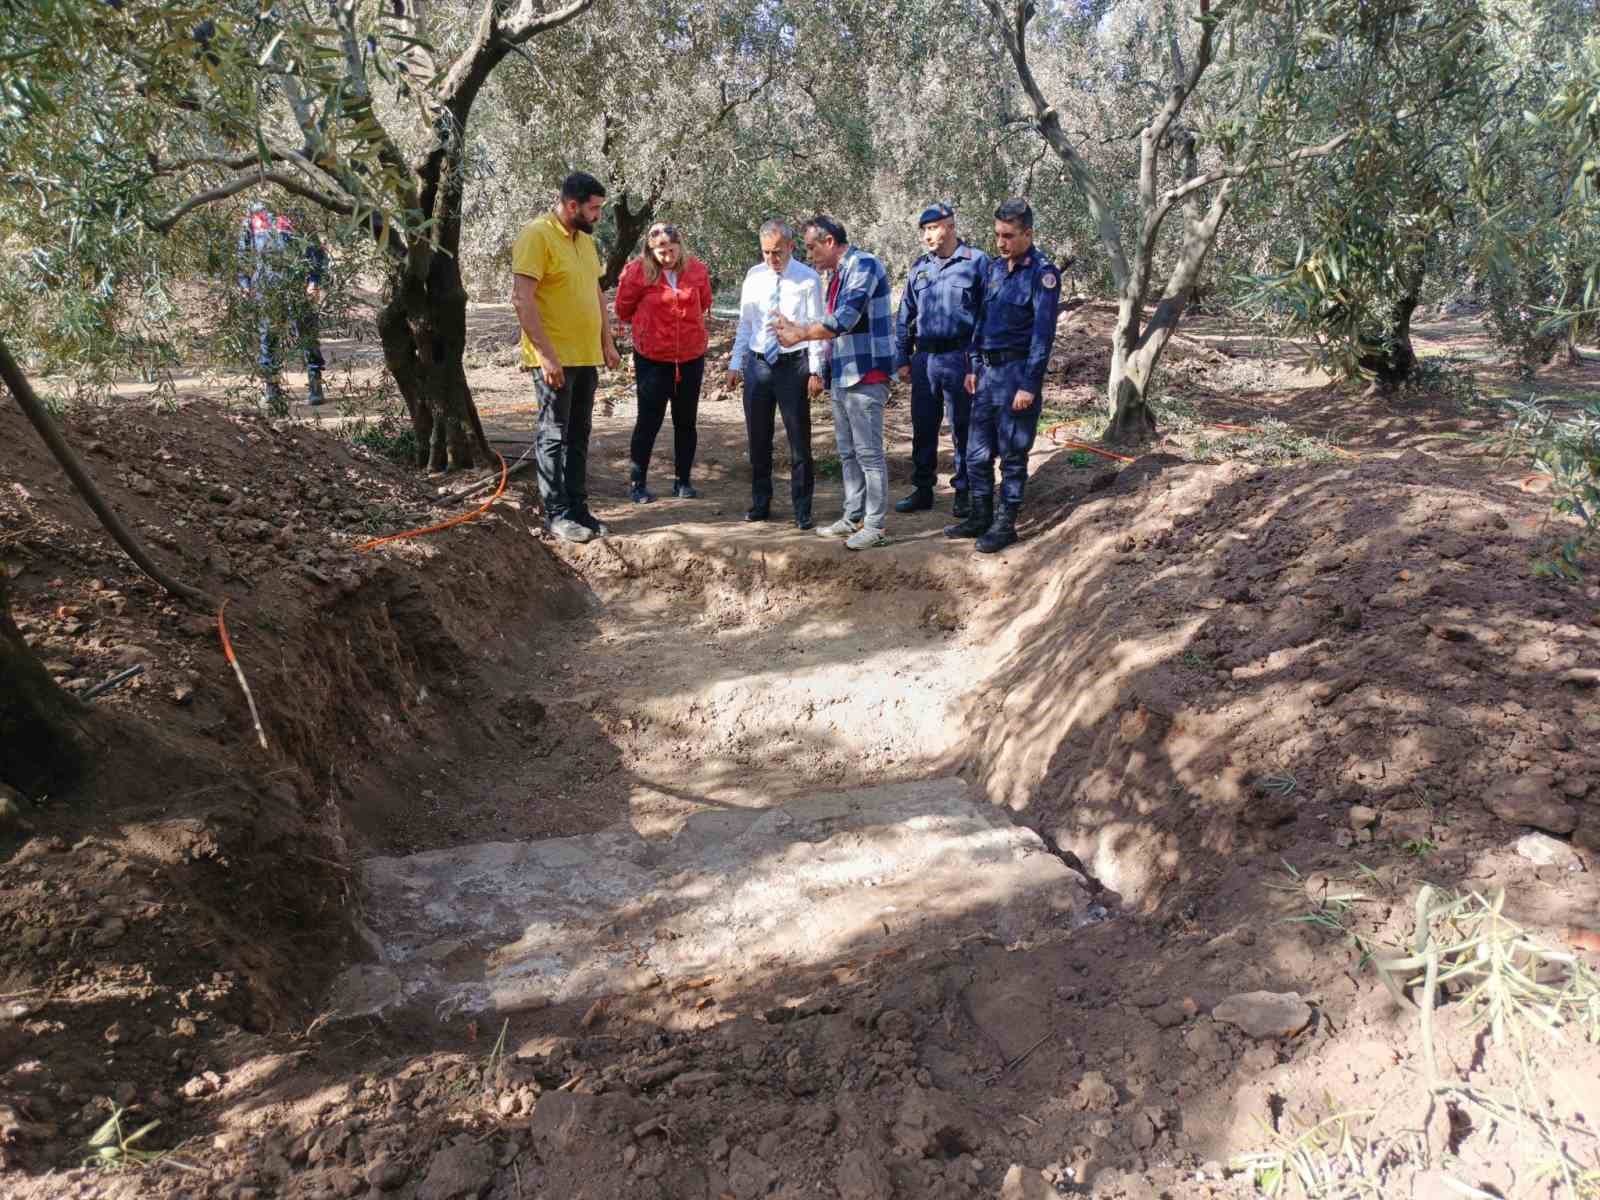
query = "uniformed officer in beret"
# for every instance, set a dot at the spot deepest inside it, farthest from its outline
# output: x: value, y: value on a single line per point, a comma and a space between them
x: 933, y: 332
x: 1016, y: 324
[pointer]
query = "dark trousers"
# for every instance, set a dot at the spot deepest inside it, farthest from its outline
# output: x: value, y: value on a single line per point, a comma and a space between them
x: 939, y: 393
x: 1000, y: 432
x: 301, y: 325
x: 566, y: 417
x: 770, y: 389
x: 661, y: 384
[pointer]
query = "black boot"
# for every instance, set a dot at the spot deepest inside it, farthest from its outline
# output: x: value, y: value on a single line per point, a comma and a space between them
x: 1002, y: 533
x: 977, y: 521
x: 963, y: 505
x: 802, y: 513
x: 920, y: 500
x: 637, y: 492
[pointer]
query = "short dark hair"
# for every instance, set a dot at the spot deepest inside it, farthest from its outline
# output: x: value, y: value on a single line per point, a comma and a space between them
x: 582, y: 187
x: 1015, y: 211
x: 830, y: 227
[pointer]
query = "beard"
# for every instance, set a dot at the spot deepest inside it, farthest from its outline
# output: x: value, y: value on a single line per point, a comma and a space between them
x: 582, y: 223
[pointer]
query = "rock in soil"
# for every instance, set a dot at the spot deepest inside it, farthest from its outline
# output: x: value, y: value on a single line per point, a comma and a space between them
x: 1362, y: 817
x: 461, y: 1171
x: 862, y: 1176
x: 1265, y: 1014
x: 1542, y: 850
x: 1530, y: 800
x: 1025, y: 1183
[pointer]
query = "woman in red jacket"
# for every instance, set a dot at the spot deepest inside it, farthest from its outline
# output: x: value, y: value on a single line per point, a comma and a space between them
x: 666, y: 295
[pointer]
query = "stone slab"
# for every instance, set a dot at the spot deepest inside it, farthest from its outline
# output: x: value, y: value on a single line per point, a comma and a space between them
x: 508, y: 926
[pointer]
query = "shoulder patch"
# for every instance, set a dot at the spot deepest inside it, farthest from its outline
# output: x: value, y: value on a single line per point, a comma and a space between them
x: 1049, y: 280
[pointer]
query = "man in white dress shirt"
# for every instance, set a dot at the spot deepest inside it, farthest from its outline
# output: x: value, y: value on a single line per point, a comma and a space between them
x: 775, y: 378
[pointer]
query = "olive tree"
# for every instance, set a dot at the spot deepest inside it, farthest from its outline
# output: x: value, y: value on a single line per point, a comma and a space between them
x: 361, y: 108
x: 1237, y: 95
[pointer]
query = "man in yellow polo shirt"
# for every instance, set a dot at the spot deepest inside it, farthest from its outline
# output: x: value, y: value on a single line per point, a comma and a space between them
x: 565, y: 337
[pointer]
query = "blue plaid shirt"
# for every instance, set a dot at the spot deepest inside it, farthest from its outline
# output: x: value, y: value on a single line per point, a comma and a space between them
x: 862, y: 319
x: 939, y: 305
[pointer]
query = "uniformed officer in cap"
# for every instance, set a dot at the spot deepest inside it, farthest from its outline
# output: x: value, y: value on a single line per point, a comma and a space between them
x: 933, y: 333
x: 280, y: 275
x: 1010, y: 347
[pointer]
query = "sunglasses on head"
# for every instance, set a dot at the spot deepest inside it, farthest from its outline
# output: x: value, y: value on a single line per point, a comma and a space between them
x: 670, y: 230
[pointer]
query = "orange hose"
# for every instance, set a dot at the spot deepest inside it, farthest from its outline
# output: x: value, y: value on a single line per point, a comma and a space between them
x: 244, y: 684
x: 1071, y: 445
x: 460, y: 519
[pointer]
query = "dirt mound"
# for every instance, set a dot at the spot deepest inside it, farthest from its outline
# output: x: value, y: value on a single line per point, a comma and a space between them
x: 1233, y: 650
x: 195, y: 891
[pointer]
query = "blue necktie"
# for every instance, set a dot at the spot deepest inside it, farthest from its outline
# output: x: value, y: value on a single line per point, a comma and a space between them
x: 771, y: 349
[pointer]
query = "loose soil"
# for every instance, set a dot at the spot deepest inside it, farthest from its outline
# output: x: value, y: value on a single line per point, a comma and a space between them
x: 1252, y: 691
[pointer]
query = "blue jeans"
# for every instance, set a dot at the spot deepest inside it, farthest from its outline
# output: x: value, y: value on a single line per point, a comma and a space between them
x: 938, y: 393
x: 1000, y: 432
x: 858, y: 427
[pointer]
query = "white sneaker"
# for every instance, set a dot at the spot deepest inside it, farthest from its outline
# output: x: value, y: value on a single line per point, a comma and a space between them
x: 842, y: 528
x: 866, y: 539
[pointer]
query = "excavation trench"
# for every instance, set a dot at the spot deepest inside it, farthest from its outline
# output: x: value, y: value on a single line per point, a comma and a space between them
x: 780, y: 729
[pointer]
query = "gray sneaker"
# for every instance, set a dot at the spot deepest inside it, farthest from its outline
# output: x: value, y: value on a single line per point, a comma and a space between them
x: 866, y: 539
x: 569, y: 530
x: 842, y: 528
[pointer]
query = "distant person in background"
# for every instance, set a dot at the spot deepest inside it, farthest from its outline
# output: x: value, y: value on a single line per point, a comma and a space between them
x: 565, y: 337
x: 280, y: 273
x: 933, y: 333
x: 778, y: 378
x: 1010, y: 348
x: 666, y: 295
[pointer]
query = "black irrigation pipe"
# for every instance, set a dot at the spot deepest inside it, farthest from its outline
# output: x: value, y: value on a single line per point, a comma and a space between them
x: 117, y: 680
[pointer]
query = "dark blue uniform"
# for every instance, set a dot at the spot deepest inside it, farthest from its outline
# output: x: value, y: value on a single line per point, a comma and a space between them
x: 938, y: 312
x: 275, y: 264
x: 1010, y: 349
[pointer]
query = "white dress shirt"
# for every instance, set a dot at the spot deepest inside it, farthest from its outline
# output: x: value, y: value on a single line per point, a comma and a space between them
x: 799, y: 295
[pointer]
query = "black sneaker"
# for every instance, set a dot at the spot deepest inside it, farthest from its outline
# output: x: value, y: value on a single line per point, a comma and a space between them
x: 683, y: 490
x: 920, y: 500
x: 591, y: 522
x: 640, y: 494
x: 758, y: 512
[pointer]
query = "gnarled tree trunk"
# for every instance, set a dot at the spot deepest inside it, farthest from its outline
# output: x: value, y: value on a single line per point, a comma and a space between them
x: 631, y: 224
x: 42, y: 747
x: 1391, y: 358
x: 423, y: 329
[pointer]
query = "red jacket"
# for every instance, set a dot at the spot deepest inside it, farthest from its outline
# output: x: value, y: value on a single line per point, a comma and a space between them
x: 669, y: 323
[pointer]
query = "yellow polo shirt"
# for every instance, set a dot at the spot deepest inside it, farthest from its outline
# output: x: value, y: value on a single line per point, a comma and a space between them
x: 568, y: 271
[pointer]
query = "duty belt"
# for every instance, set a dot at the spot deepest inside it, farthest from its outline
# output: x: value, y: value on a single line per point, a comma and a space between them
x: 941, y: 345
x: 996, y: 357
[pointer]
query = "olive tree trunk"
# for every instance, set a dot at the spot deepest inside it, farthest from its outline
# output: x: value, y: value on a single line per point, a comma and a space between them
x: 1136, y: 348
x: 423, y: 330
x: 42, y: 746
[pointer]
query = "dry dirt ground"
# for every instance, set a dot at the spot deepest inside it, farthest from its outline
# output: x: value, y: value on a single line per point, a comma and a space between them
x: 1258, y: 691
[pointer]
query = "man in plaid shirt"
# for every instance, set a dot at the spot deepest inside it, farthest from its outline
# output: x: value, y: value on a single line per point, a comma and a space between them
x: 859, y: 335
